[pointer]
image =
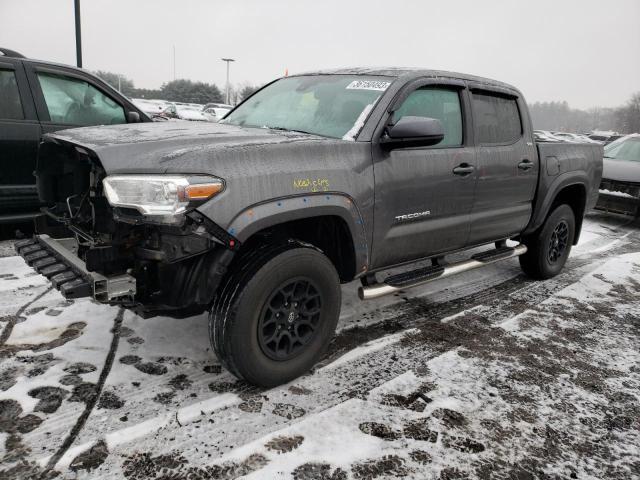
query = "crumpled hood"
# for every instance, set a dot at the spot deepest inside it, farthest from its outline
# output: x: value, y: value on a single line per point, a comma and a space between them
x: 175, y: 147
x: 621, y: 170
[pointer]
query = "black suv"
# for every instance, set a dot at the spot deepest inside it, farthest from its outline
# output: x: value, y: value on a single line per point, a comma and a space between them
x: 39, y: 97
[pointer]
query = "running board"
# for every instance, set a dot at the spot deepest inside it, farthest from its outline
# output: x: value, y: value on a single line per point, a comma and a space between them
x: 420, y: 276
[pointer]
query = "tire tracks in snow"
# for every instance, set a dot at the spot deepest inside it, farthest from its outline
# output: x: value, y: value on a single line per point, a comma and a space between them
x: 90, y: 405
x: 13, y: 319
x: 328, y: 388
x: 324, y: 388
x: 418, y: 312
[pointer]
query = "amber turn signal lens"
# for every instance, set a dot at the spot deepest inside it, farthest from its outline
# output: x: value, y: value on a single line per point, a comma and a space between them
x: 202, y: 191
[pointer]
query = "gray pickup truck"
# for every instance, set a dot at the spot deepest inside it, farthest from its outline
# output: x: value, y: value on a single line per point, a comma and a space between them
x: 315, y: 180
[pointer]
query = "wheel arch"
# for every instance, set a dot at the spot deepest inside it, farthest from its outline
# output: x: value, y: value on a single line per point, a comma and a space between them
x: 329, y: 221
x: 568, y: 189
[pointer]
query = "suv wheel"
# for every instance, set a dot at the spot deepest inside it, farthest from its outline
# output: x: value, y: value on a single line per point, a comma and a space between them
x: 275, y: 313
x: 549, y: 247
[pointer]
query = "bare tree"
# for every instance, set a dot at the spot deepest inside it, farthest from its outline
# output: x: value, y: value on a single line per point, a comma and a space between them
x: 628, y: 116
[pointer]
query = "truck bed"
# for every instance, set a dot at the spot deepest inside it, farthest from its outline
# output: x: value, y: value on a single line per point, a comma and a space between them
x: 563, y: 164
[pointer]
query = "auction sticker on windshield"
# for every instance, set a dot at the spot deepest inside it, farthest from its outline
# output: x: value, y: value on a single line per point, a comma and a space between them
x: 368, y: 85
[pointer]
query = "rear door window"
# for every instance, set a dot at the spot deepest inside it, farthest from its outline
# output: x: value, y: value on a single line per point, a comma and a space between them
x: 438, y: 103
x: 72, y: 101
x: 10, y: 103
x: 497, y: 118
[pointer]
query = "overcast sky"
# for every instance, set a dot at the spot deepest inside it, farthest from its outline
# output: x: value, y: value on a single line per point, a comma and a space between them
x: 583, y: 51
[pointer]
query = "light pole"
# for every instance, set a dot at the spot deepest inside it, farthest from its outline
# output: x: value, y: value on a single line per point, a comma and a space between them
x: 228, y: 60
x: 78, y: 34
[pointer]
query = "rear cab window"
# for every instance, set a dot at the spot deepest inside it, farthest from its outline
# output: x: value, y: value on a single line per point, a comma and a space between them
x: 10, y: 103
x: 497, y: 118
x: 73, y: 101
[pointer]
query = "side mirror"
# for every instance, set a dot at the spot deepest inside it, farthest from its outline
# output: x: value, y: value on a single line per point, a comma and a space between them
x: 413, y: 132
x: 133, y: 117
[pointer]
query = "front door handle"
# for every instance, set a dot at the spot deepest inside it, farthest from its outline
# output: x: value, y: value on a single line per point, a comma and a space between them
x: 463, y: 169
x: 525, y: 164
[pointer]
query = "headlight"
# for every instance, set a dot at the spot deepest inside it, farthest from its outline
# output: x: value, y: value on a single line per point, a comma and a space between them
x: 160, y: 195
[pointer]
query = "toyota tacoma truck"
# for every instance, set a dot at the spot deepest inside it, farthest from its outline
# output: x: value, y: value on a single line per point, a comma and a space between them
x: 315, y: 180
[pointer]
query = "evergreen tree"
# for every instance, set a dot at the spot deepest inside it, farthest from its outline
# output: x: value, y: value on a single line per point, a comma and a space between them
x: 190, y: 92
x: 126, y: 84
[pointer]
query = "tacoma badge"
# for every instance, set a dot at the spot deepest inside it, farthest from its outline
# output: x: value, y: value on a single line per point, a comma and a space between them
x: 410, y: 216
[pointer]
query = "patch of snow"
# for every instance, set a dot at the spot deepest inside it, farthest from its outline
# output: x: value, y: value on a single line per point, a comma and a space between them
x: 610, y: 245
x: 192, y: 412
x: 367, y: 348
x: 616, y: 194
x: 126, y: 435
x: 477, y: 308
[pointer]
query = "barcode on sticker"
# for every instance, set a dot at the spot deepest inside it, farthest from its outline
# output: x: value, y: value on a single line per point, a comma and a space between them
x: 368, y: 85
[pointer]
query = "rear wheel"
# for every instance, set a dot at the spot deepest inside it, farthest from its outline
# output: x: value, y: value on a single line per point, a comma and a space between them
x: 275, y: 313
x: 549, y: 247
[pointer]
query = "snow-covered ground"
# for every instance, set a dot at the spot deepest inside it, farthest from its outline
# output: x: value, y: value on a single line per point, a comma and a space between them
x: 483, y: 375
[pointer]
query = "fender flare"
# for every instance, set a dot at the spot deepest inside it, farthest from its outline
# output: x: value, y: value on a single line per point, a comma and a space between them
x: 284, y: 209
x: 541, y: 210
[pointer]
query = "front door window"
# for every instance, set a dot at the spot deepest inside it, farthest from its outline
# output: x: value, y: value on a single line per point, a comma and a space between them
x: 72, y: 101
x: 443, y: 105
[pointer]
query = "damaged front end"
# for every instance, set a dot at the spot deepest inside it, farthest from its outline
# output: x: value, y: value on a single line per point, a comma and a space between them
x: 133, y: 240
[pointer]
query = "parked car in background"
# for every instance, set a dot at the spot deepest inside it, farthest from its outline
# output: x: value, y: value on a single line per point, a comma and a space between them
x: 605, y: 137
x: 150, y: 107
x: 217, y: 113
x: 38, y: 97
x: 186, y: 112
x: 573, y: 137
x: 620, y: 186
x: 217, y: 105
x: 545, y: 136
x: 613, y: 138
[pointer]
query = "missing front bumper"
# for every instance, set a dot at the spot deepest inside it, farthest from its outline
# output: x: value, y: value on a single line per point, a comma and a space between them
x: 57, y: 260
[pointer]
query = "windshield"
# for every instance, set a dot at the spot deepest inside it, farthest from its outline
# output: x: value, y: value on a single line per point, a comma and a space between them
x: 626, y: 148
x: 333, y: 106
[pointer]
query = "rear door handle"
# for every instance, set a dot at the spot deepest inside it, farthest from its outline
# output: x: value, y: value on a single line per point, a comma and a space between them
x: 525, y: 164
x: 463, y: 169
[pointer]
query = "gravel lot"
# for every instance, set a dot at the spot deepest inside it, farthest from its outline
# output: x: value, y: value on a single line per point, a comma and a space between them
x: 484, y: 375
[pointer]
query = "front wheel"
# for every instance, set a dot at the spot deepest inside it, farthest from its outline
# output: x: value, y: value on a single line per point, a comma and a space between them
x: 275, y: 313
x: 549, y: 247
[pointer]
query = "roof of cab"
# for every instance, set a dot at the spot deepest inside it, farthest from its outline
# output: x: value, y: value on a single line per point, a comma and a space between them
x: 407, y: 73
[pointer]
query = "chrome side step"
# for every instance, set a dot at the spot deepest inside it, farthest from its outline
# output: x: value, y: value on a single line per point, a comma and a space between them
x: 424, y: 275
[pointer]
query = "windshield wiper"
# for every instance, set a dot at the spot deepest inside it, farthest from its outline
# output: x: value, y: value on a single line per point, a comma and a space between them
x: 282, y: 129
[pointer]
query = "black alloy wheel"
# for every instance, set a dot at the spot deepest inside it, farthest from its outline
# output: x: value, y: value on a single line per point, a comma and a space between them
x: 549, y: 247
x: 289, y: 319
x: 558, y: 241
x: 275, y: 312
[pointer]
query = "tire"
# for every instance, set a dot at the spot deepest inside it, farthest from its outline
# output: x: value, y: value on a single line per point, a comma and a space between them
x: 250, y: 338
x: 549, y: 248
